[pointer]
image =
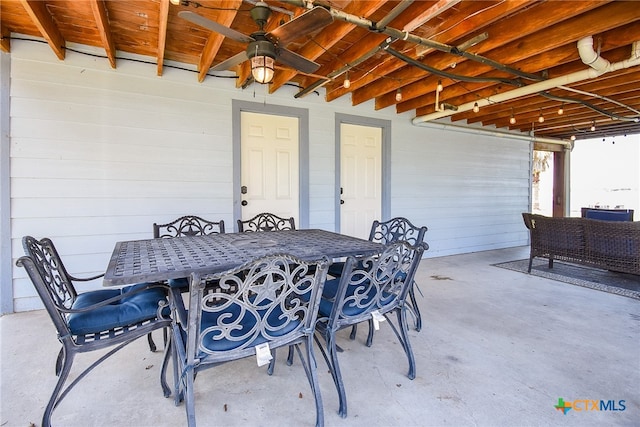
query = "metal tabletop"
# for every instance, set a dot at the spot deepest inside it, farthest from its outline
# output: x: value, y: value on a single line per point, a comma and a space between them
x: 151, y: 260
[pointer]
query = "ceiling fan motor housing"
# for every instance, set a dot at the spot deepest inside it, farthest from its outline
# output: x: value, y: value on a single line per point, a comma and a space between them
x: 261, y: 47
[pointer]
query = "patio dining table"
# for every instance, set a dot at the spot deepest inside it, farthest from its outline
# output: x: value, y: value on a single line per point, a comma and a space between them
x: 161, y: 259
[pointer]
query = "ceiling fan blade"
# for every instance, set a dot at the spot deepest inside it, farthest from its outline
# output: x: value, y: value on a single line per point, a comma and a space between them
x: 308, y: 22
x: 231, y: 62
x: 214, y: 26
x: 296, y: 61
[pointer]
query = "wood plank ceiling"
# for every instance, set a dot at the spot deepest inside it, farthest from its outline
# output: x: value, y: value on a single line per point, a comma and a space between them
x: 517, y: 59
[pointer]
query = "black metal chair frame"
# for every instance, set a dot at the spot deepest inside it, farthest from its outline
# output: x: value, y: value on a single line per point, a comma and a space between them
x: 378, y: 283
x: 279, y: 284
x: 57, y: 292
x: 394, y: 230
x: 266, y: 222
x: 188, y: 225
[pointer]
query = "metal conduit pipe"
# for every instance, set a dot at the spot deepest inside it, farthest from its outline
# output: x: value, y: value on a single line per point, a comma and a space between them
x: 541, y: 86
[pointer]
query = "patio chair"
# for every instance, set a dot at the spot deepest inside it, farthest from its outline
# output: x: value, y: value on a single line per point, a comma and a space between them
x: 266, y: 222
x: 189, y: 225
x: 394, y: 230
x: 265, y: 304
x: 92, y: 320
x: 369, y: 290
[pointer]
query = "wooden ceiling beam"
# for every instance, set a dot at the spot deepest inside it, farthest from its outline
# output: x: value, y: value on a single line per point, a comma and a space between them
x: 163, y: 19
x: 5, y: 38
x: 211, y: 47
x: 328, y: 37
x: 402, y: 74
x: 99, y: 9
x: 41, y: 18
x: 421, y: 93
x: 570, y: 31
x: 504, y: 38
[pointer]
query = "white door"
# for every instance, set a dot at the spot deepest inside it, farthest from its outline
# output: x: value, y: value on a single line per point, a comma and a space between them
x: 361, y: 178
x: 269, y: 165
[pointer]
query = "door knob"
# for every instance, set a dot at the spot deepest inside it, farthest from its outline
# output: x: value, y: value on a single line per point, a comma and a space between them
x: 244, y: 203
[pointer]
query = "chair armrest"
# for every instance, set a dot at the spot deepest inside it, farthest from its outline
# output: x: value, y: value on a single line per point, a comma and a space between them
x: 111, y: 300
x: 85, y: 279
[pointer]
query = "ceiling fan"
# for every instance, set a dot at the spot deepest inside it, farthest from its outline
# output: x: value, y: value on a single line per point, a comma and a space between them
x: 266, y: 47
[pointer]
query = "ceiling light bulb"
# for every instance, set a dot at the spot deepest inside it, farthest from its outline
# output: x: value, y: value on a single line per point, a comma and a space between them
x: 476, y: 108
x: 573, y: 137
x: 541, y: 118
x: 560, y: 111
x: 512, y: 120
x: 175, y: 2
x: 399, y: 95
x: 346, y: 83
x: 593, y: 126
x: 262, y: 68
x: 439, y: 88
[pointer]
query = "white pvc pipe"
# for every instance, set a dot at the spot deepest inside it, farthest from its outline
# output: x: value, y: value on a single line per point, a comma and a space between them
x: 590, y: 57
x: 568, y: 79
x: 494, y: 132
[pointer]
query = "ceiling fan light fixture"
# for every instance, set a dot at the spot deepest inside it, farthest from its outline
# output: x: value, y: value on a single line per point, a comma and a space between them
x: 262, y: 68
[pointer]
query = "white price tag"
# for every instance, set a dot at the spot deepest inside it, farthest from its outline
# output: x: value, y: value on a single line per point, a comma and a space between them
x: 263, y: 354
x: 377, y: 318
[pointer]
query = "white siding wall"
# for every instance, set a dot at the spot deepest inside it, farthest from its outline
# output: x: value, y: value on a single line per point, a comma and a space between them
x: 98, y: 155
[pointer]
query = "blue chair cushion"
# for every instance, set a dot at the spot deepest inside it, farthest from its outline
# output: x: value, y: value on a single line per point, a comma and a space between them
x: 182, y: 282
x: 128, y: 310
x: 336, y: 268
x: 350, y: 309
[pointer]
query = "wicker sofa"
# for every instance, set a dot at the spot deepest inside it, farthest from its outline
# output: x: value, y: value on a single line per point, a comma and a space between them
x: 610, y: 245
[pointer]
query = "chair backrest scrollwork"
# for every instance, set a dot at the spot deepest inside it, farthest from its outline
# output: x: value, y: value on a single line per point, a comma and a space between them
x: 397, y: 229
x: 189, y: 225
x: 379, y: 282
x: 266, y: 222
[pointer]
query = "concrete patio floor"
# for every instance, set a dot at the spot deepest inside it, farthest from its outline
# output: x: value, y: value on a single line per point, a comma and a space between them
x: 498, y: 348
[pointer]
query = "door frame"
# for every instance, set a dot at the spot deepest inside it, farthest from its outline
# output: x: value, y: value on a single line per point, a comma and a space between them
x: 385, y: 173
x: 302, y: 115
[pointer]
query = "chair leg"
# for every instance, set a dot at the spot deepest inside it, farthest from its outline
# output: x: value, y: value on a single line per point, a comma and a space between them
x: 272, y: 363
x: 152, y: 344
x: 310, y: 366
x: 370, y: 335
x: 342, y: 396
x: 331, y: 361
x: 354, y: 331
x: 55, y: 395
x: 163, y: 372
x: 59, y: 361
x: 406, y: 344
x: 190, y: 398
x: 414, y: 306
x: 290, y: 356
